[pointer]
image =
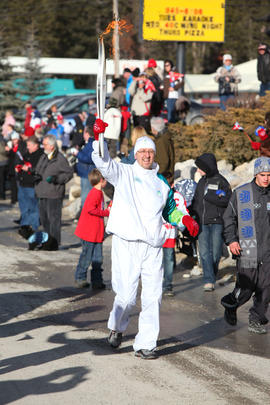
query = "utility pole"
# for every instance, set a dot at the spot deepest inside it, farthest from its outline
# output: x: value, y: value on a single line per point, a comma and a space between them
x: 181, y: 62
x: 116, y: 50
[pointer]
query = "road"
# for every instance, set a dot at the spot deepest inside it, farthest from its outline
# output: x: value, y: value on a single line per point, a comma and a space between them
x: 53, y: 346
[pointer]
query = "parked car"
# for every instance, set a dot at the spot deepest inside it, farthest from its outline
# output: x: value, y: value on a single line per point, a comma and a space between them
x: 73, y: 105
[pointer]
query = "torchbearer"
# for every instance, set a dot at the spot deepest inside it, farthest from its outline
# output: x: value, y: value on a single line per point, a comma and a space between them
x: 142, y: 198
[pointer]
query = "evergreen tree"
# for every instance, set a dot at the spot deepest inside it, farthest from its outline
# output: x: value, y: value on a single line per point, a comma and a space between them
x: 9, y: 99
x: 32, y: 83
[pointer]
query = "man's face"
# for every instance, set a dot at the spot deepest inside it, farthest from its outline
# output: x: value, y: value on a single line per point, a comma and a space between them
x: 201, y: 172
x: 263, y: 179
x: 47, y: 147
x: 31, y: 147
x: 86, y: 136
x: 126, y: 75
x: 145, y: 158
x: 261, y: 51
x: 167, y: 67
x: 227, y: 62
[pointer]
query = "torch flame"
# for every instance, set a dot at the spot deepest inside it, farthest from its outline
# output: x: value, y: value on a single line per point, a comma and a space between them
x: 122, y: 26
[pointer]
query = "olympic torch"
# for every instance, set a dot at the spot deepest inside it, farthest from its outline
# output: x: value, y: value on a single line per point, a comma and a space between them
x: 101, y: 89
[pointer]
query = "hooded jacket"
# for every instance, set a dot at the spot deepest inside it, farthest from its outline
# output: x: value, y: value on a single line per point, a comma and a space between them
x: 209, y: 203
x: 263, y: 66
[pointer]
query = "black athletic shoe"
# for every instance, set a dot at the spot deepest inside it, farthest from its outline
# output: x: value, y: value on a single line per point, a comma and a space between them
x: 146, y: 354
x: 115, y: 338
x: 256, y: 327
x: 230, y: 316
x: 98, y: 286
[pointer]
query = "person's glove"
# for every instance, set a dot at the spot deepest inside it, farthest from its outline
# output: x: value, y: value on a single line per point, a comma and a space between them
x: 51, y: 179
x: 220, y: 193
x: 191, y: 225
x: 255, y: 145
x: 99, y: 127
x: 18, y: 168
x: 37, y: 178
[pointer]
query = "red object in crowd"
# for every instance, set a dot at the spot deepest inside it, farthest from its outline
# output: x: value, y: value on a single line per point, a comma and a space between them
x: 28, y: 117
x: 125, y: 117
x: 175, y: 76
x: 255, y: 145
x: 152, y: 63
x: 191, y: 225
x: 149, y: 86
x: 262, y: 134
x: 91, y: 224
x: 99, y: 128
x: 29, y: 131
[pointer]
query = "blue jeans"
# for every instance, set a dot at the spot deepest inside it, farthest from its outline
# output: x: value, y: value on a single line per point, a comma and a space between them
x: 263, y: 88
x: 224, y: 99
x: 28, y: 204
x: 171, y: 110
x: 85, y: 188
x: 168, y: 263
x: 91, y: 253
x: 210, y: 248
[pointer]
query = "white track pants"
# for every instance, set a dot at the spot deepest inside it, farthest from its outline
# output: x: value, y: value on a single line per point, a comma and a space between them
x: 130, y: 261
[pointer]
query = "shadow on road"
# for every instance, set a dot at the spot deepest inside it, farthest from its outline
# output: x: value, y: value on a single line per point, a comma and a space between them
x: 42, y: 385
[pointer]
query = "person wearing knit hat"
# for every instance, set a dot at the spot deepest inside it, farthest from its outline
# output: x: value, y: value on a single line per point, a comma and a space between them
x: 142, y: 201
x: 152, y: 63
x: 247, y: 233
x: 227, y: 77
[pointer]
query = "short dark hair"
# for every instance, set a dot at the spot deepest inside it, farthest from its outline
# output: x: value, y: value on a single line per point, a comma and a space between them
x: 89, y: 130
x: 127, y: 70
x: 94, y: 177
x: 170, y: 62
x: 33, y: 139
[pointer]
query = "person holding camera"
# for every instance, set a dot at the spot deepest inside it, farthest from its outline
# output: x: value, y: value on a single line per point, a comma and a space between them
x: 227, y: 77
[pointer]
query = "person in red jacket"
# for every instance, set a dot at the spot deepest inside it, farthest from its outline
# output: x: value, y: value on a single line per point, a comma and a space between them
x: 90, y: 230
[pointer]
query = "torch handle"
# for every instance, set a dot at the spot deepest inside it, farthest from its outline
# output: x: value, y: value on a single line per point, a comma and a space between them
x: 101, y: 89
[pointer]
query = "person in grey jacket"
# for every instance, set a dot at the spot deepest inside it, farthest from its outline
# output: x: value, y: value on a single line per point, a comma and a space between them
x: 51, y: 174
x: 247, y: 233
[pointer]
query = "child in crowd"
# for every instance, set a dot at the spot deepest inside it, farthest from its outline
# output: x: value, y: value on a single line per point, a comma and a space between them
x: 90, y: 230
x: 169, y: 246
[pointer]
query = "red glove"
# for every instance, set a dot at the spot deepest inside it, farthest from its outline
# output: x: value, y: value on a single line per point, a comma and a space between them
x: 255, y: 145
x: 18, y: 168
x: 191, y: 225
x: 99, y: 128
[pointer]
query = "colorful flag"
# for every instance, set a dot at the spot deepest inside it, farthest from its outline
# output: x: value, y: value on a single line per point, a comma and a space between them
x: 237, y: 127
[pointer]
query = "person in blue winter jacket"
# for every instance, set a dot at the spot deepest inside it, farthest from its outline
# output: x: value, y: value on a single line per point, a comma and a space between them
x: 142, y: 201
x: 85, y: 163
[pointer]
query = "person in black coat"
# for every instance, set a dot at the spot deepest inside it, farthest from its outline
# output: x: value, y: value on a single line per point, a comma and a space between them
x: 210, y: 200
x: 263, y: 68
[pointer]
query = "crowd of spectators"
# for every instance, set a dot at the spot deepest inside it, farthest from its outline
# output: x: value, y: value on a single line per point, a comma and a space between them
x: 37, y: 161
